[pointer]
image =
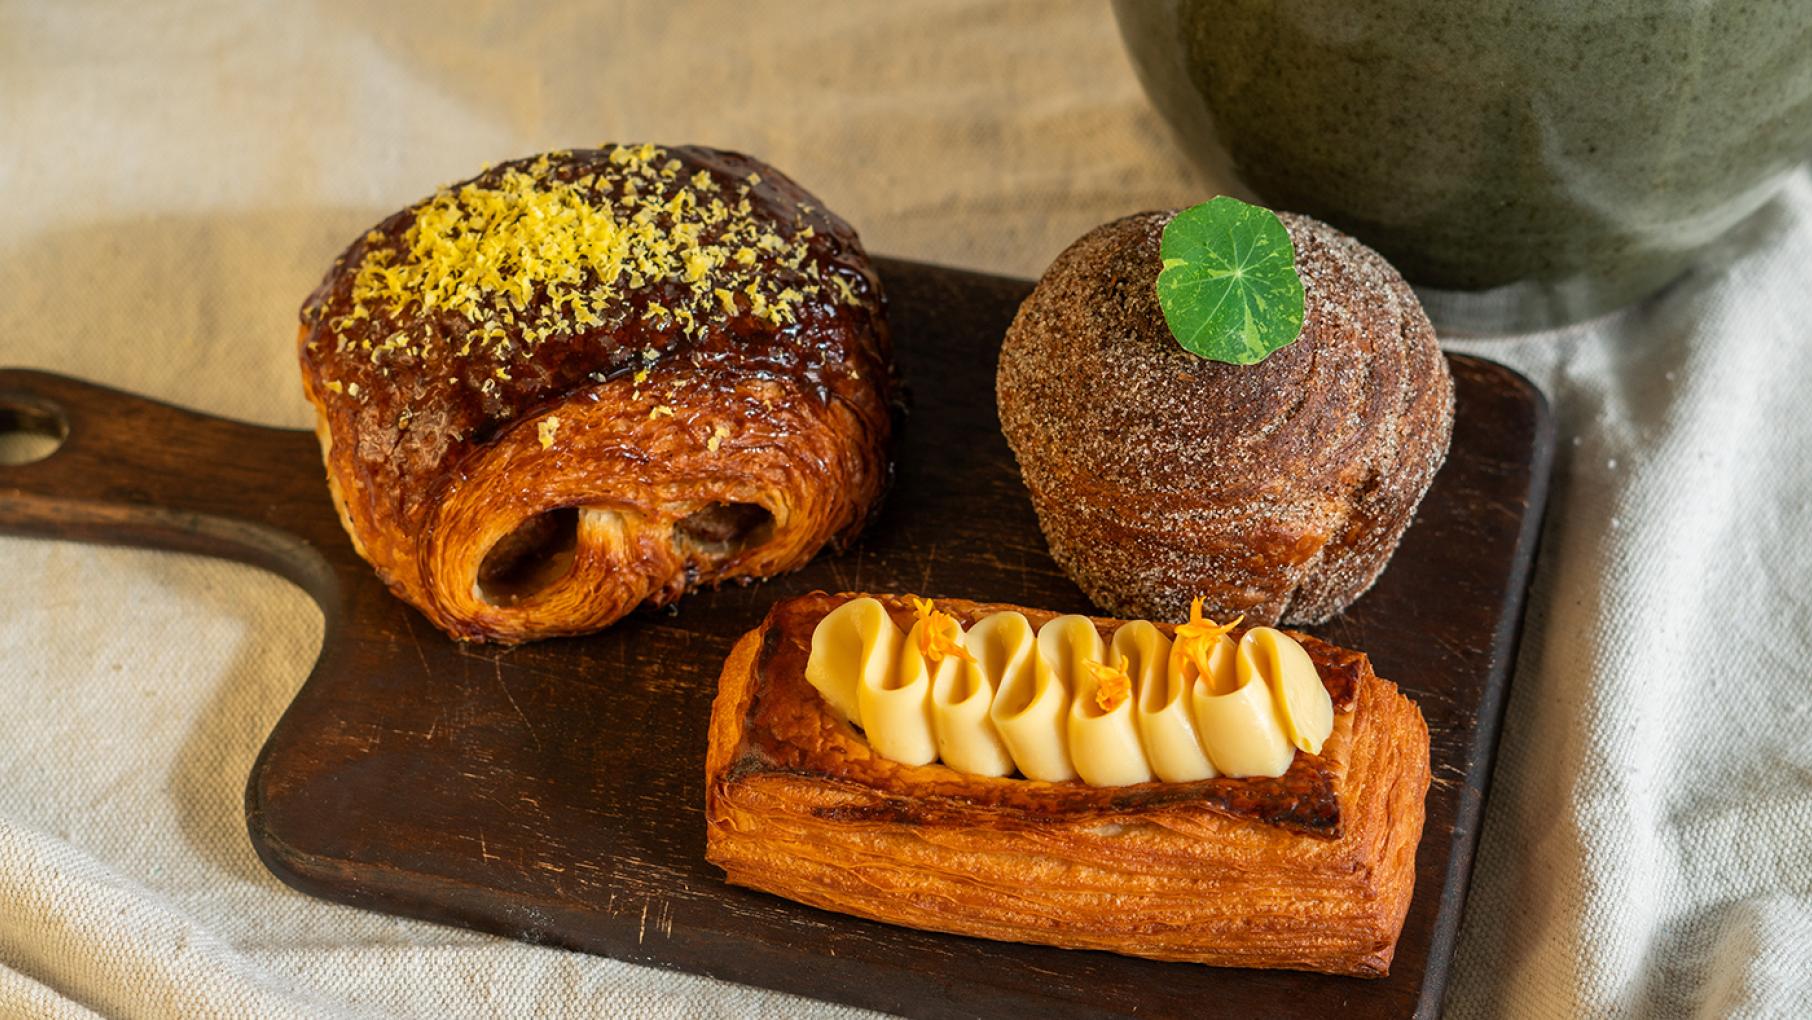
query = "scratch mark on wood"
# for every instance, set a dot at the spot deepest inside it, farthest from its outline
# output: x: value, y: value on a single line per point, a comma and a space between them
x: 416, y: 641
x: 930, y: 560
x: 497, y: 664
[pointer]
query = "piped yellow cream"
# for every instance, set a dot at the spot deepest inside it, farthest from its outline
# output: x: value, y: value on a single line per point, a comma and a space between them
x: 1103, y: 734
x: 896, y: 710
x: 1302, y: 701
x: 855, y: 645
x: 1059, y: 703
x: 999, y: 647
x: 1030, y: 709
x: 1163, y: 709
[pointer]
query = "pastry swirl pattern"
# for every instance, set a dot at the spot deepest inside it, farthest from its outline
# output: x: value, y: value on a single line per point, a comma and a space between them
x: 1277, y: 490
x: 1060, y: 702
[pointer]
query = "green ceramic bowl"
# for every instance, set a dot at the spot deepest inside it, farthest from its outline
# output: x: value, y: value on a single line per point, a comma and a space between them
x: 1525, y: 163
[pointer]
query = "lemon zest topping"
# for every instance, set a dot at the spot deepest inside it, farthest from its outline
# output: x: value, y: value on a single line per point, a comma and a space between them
x: 1196, y: 639
x: 545, y: 431
x: 538, y: 250
x: 937, y: 638
x: 844, y: 290
x: 1113, y: 685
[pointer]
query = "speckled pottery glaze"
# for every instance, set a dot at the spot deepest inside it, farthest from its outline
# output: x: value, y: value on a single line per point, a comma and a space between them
x: 1525, y: 163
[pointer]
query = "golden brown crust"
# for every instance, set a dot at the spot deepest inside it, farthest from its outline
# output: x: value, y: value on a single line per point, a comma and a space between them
x: 664, y: 433
x: 1253, y: 873
x: 1277, y: 490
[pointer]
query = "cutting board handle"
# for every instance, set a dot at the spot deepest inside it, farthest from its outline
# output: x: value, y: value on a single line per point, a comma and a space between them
x: 133, y: 471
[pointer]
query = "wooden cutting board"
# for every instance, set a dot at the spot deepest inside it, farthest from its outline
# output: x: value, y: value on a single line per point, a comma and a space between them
x: 555, y: 792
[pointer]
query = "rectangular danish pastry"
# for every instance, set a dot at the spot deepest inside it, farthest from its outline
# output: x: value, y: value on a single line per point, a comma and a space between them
x: 1311, y: 869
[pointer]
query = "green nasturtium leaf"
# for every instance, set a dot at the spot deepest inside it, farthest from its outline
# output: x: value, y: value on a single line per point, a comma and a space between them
x: 1229, y: 288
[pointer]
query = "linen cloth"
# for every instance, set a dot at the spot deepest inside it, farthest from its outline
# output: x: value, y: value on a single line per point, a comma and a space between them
x: 177, y: 176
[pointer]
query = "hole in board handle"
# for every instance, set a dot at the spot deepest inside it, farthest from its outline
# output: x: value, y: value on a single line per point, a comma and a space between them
x: 29, y: 433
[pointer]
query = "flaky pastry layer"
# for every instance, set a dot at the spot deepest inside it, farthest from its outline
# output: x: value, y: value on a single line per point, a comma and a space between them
x: 1312, y: 870
x: 515, y: 481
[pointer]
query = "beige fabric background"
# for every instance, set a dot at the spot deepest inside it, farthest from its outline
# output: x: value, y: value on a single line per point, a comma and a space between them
x: 176, y: 177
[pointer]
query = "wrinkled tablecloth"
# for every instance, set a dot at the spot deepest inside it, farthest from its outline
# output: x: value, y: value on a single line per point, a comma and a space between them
x: 177, y: 176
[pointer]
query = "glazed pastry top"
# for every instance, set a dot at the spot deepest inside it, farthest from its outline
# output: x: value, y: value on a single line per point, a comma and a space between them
x: 542, y: 276
x: 1061, y: 702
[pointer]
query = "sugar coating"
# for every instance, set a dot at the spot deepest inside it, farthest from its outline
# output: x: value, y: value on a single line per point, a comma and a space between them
x: 1277, y: 490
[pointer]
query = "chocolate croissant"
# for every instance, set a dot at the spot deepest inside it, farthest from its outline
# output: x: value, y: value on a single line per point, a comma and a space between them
x: 1277, y: 490
x: 591, y: 380
x: 1310, y: 869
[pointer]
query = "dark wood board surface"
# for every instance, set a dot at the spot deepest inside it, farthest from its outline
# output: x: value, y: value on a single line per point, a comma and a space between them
x: 555, y: 792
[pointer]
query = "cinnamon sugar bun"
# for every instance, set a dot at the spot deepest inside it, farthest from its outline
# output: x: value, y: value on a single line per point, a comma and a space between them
x: 595, y: 379
x: 1277, y: 490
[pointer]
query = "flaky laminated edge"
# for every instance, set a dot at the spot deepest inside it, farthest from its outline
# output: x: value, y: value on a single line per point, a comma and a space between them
x: 1176, y: 881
